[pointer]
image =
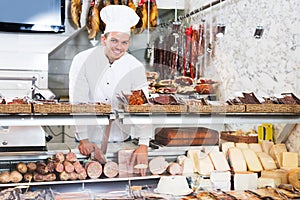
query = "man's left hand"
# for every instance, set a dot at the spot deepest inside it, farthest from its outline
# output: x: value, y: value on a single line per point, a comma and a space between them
x: 140, y: 156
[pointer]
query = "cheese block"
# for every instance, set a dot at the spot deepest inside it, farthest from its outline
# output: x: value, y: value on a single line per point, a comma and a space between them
x: 290, y: 159
x: 263, y: 182
x: 241, y: 145
x: 180, y: 159
x: 266, y: 145
x: 236, y: 160
x: 245, y: 181
x: 225, y: 146
x: 255, y: 147
x: 276, y: 153
x: 220, y: 176
x: 266, y: 161
x: 252, y: 160
x: 294, y: 177
x: 219, y: 161
x: 201, y: 162
x: 276, y: 173
x: 187, y: 166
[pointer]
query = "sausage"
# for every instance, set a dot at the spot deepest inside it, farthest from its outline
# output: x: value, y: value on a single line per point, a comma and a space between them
x: 22, y: 167
x: 31, y: 166
x: 76, y: 10
x: 93, y: 169
x: 158, y: 165
x: 174, y: 168
x: 15, y: 176
x: 40, y: 177
x: 51, y: 166
x: 59, y: 157
x: 64, y: 176
x: 41, y: 168
x: 111, y: 169
x: 68, y: 167
x: 28, y: 177
x: 82, y: 175
x: 71, y: 157
x: 4, y: 177
x: 59, y: 167
x: 78, y: 167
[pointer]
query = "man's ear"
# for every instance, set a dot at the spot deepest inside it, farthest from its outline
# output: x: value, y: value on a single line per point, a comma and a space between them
x: 103, y: 40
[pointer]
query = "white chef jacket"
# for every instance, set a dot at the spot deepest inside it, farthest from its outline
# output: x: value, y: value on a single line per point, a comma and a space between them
x: 93, y: 79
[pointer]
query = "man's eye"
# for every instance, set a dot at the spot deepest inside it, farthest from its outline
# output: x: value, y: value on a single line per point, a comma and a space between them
x: 114, y: 41
x: 124, y: 43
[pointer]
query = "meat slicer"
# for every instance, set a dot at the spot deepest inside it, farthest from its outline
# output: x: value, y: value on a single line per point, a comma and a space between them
x: 22, y: 138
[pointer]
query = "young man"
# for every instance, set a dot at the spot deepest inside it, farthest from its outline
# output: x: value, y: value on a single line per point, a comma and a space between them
x: 101, y: 73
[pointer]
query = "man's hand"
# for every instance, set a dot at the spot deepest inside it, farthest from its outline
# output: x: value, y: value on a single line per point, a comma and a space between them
x: 86, y: 147
x: 140, y: 156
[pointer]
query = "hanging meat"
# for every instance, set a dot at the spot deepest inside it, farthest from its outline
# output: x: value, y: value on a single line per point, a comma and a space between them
x: 153, y: 13
x: 93, y: 20
x: 131, y: 4
x: 76, y: 10
x: 141, y: 11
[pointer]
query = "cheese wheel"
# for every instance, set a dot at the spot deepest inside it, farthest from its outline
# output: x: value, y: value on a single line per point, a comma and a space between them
x: 276, y: 173
x: 237, y: 160
x: 252, y: 160
x: 294, y: 177
x: 266, y: 160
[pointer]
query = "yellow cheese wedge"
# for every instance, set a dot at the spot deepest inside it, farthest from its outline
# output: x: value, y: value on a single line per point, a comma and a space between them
x: 264, y: 182
x: 252, y: 160
x: 236, y: 160
x: 290, y: 159
x: 225, y: 146
x: 294, y: 177
x: 219, y: 161
x: 276, y: 153
x: 276, y: 173
x: 266, y: 145
x: 255, y: 147
x: 266, y: 160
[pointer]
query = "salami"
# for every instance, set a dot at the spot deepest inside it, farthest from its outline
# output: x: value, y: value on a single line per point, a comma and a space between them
x: 59, y: 167
x: 71, y: 157
x: 93, y: 169
x: 111, y: 169
x: 78, y: 167
x: 68, y: 166
x: 59, y: 157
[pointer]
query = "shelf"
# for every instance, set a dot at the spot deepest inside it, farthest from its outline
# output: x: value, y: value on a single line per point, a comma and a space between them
x: 53, y: 120
x: 194, y: 119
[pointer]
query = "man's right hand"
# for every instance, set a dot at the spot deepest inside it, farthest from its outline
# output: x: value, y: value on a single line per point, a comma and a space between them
x: 86, y: 147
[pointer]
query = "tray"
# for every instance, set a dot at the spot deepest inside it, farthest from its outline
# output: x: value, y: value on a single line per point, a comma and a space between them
x: 227, y: 135
x: 155, y: 108
x: 272, y: 108
x: 187, y: 141
x: 15, y: 108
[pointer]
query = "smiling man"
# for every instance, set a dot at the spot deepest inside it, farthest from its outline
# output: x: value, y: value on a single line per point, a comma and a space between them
x: 101, y: 73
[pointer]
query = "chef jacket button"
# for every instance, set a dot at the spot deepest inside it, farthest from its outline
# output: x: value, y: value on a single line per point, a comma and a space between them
x: 107, y: 83
x: 106, y: 99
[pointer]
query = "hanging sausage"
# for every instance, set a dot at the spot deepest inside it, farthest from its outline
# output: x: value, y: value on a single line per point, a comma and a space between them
x: 153, y: 13
x: 93, y: 19
x: 76, y: 10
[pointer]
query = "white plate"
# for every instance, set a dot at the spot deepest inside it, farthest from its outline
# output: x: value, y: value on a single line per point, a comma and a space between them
x: 176, y: 193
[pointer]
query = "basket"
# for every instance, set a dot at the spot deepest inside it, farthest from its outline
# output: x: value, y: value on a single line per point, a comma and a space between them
x: 15, y: 108
x: 216, y: 109
x: 228, y: 135
x: 155, y: 108
x: 52, y: 108
x: 91, y: 108
x: 271, y: 108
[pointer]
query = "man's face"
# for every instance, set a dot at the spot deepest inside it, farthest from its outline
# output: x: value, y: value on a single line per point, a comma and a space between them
x: 116, y: 45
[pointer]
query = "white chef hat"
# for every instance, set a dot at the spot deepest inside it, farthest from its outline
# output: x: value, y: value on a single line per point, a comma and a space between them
x: 118, y: 18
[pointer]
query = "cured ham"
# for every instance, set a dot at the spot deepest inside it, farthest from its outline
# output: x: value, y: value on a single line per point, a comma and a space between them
x: 76, y: 10
x: 153, y: 13
x: 93, y: 20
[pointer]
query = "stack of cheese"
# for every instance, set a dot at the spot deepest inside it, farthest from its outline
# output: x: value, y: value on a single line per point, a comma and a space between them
x: 275, y: 164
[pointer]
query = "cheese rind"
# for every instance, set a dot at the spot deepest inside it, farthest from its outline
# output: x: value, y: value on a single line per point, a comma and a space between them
x: 255, y: 147
x: 290, y: 159
x: 252, y: 160
x: 276, y: 153
x: 276, y: 173
x: 294, y: 177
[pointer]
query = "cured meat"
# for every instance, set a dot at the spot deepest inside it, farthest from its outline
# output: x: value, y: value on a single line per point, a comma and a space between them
x: 141, y: 11
x: 63, y: 176
x: 4, y: 177
x: 68, y: 167
x: 131, y: 5
x: 71, y: 157
x: 31, y: 166
x: 158, y: 165
x: 59, y: 157
x: 153, y: 13
x: 15, y: 176
x: 82, y: 175
x: 93, y: 20
x: 102, y: 4
x: 22, y: 167
x: 184, y: 80
x: 42, y: 168
x: 124, y: 157
x: 174, y: 169
x: 51, y: 166
x: 93, y: 169
x: 48, y: 177
x: 78, y: 167
x: 28, y: 177
x: 59, y: 167
x: 111, y: 169
x: 76, y: 10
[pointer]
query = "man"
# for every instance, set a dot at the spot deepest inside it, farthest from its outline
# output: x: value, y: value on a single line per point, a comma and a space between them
x: 101, y: 73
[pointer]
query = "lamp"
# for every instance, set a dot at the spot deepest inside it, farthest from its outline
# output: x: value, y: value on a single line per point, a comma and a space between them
x: 220, y: 30
x: 258, y: 32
